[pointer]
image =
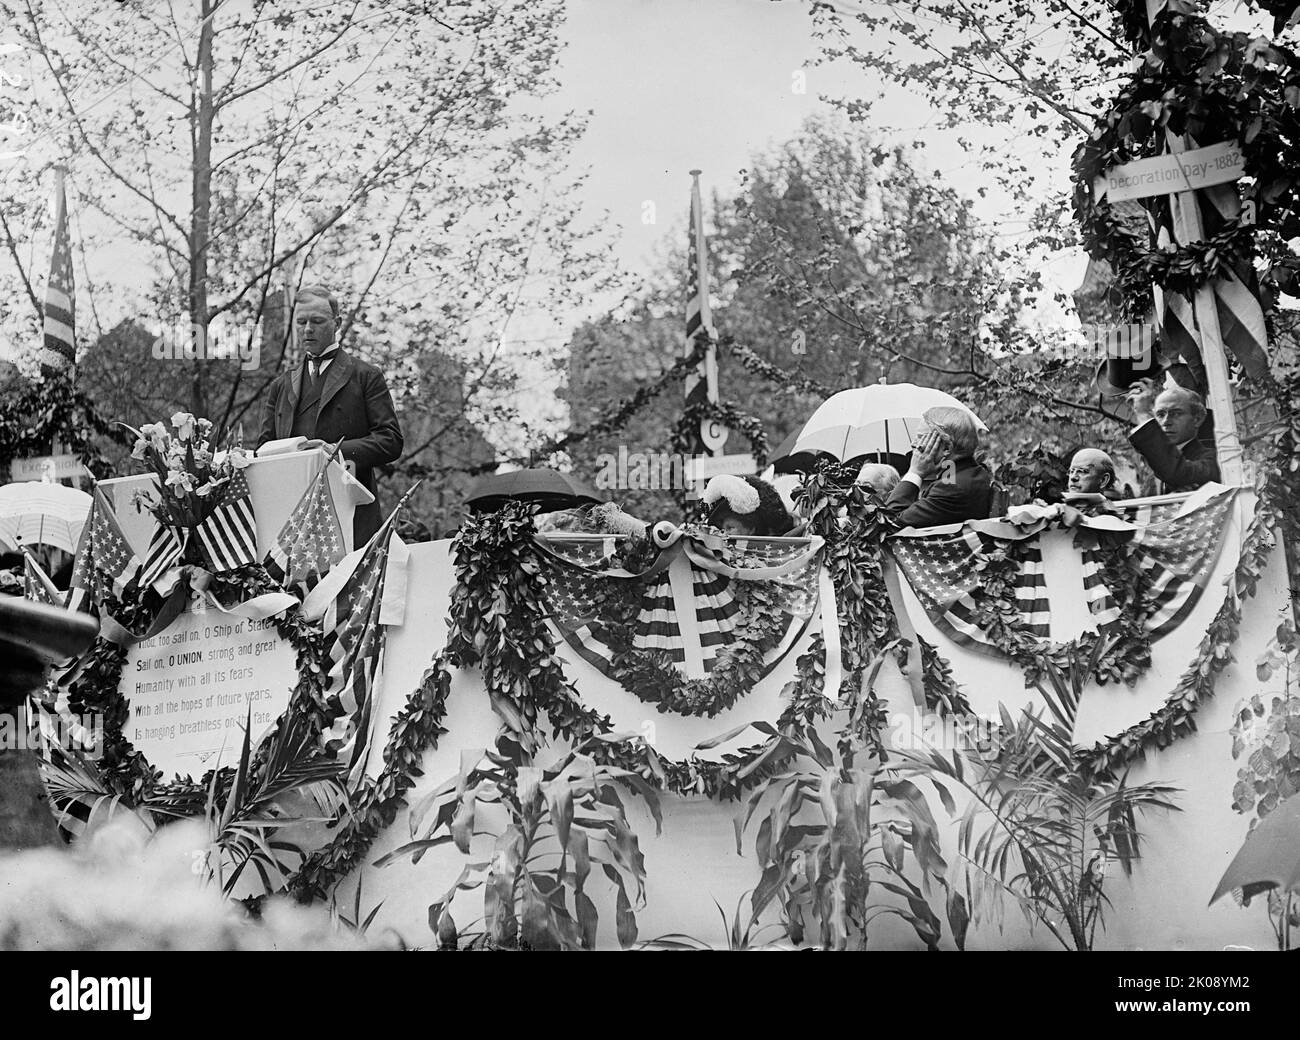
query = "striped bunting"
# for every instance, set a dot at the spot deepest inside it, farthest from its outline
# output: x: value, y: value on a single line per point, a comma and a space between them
x: 1177, y: 554
x: 59, y: 350
x: 229, y: 534
x: 580, y: 595
x: 941, y: 571
x: 1241, y: 319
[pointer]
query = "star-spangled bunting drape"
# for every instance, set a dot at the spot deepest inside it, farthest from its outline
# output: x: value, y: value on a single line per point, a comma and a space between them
x: 311, y: 541
x: 229, y: 534
x: 1176, y: 553
x: 580, y: 593
x: 59, y: 350
x: 104, y: 557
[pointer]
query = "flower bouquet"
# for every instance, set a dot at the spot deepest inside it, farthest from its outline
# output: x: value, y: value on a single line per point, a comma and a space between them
x: 192, y: 472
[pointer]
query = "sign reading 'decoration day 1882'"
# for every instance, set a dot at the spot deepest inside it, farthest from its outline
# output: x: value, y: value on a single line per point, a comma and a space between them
x: 190, y: 688
x: 1181, y: 171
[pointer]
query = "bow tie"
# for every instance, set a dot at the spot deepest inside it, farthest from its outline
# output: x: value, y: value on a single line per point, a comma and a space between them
x: 319, y: 360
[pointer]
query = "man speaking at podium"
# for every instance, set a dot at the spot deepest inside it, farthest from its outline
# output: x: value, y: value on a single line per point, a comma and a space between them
x: 331, y: 396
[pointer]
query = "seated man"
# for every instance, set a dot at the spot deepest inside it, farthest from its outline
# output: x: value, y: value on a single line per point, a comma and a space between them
x: 944, y: 484
x: 1092, y: 472
x: 1166, y: 436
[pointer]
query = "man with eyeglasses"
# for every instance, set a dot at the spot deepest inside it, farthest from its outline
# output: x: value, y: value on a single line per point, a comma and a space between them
x: 334, y: 396
x: 1166, y: 436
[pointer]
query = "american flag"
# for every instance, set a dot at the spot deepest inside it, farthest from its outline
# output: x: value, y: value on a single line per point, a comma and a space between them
x: 103, y: 553
x: 702, y: 383
x: 229, y: 534
x: 37, y: 585
x: 1177, y: 554
x: 165, y: 548
x: 311, y: 541
x: 578, y: 596
x: 354, y: 642
x: 60, y: 349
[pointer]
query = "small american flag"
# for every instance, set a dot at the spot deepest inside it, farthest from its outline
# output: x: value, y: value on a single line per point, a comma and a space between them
x: 165, y: 548
x: 60, y: 351
x: 103, y: 553
x: 311, y: 541
x: 229, y: 534
x: 37, y: 585
x: 354, y: 642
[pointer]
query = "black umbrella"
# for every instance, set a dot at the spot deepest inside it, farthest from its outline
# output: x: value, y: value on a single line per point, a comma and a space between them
x: 549, y: 488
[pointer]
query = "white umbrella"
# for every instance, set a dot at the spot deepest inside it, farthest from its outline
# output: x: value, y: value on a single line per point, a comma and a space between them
x: 51, y: 514
x: 883, y: 417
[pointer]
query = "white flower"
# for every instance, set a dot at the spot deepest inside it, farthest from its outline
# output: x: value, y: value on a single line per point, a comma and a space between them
x: 184, y: 423
x: 204, y: 425
x: 179, y: 478
x: 204, y: 489
x: 137, y: 452
x: 238, y: 458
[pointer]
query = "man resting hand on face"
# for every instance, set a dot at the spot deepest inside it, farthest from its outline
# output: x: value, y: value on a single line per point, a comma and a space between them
x: 944, y: 484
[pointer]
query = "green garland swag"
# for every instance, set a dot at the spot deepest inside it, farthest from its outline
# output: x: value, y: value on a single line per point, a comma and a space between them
x: 498, y: 625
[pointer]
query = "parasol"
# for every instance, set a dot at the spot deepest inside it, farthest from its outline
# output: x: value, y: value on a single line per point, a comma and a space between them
x: 881, y: 418
x: 51, y: 514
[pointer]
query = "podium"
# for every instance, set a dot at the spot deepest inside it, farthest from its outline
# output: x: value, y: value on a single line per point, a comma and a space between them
x: 276, y: 484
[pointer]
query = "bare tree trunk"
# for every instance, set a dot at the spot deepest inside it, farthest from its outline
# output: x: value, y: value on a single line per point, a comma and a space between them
x: 202, y: 115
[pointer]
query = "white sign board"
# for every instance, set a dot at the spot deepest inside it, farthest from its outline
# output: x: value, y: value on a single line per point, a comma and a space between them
x: 48, y: 467
x: 702, y: 468
x: 1184, y: 171
x: 190, y: 688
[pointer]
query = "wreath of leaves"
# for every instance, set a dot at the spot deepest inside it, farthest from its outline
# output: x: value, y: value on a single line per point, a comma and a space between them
x: 651, y: 676
x: 1214, y: 86
x: 96, y: 689
x: 1128, y: 652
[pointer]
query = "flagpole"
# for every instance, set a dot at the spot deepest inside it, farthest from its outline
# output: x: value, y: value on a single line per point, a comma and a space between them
x: 1188, y: 228
x: 706, y: 312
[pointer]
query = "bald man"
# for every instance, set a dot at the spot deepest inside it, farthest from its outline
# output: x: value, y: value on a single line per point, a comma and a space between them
x: 1166, y: 436
x: 1092, y: 472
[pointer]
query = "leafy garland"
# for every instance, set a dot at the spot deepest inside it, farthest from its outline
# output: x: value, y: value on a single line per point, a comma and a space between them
x: 1214, y: 86
x: 686, y: 432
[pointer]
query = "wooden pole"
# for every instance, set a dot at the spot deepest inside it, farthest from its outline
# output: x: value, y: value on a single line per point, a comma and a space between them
x: 1188, y: 228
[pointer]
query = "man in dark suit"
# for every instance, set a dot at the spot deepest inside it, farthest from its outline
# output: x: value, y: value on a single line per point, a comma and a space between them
x: 331, y: 396
x: 1169, y: 436
x: 944, y: 484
